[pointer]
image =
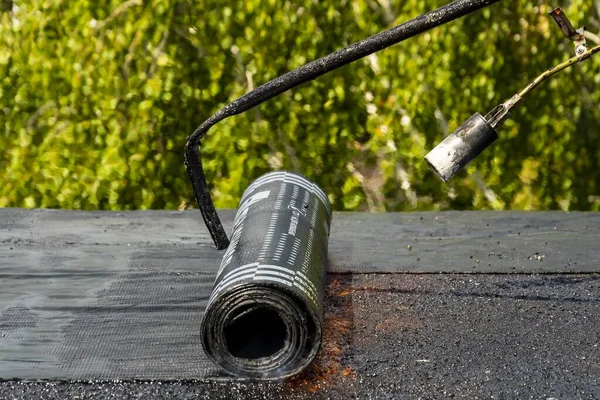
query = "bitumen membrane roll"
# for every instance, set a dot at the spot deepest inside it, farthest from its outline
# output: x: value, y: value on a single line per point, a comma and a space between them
x: 264, y: 316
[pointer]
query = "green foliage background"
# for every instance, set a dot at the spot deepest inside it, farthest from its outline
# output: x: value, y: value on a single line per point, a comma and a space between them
x: 98, y: 97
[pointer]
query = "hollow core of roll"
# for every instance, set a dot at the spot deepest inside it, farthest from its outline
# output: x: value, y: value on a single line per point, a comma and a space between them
x: 255, y: 332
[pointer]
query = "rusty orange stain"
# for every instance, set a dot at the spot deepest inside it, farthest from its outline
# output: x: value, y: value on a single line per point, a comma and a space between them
x: 328, y: 369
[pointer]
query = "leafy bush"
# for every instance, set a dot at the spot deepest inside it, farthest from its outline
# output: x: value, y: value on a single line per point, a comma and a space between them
x: 97, y: 99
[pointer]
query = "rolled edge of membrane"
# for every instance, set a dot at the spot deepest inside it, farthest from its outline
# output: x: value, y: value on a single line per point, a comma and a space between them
x: 301, y: 343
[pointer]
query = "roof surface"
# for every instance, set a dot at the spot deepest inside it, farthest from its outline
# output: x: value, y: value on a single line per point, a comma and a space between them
x: 463, y: 304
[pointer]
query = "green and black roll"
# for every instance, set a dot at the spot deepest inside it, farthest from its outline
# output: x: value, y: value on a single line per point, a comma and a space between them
x: 264, y: 317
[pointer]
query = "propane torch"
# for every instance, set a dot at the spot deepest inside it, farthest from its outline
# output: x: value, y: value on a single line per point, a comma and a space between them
x: 478, y: 132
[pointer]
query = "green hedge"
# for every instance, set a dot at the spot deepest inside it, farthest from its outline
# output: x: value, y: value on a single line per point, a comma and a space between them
x: 97, y: 99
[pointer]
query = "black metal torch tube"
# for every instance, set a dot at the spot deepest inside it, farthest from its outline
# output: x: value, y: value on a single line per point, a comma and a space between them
x: 298, y: 76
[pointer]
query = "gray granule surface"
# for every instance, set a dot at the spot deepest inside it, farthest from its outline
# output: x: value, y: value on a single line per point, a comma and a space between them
x: 395, y: 336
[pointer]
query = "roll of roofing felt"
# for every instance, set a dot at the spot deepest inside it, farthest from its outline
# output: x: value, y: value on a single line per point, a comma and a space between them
x: 263, y: 319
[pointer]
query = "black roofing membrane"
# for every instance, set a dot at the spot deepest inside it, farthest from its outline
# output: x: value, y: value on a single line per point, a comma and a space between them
x: 120, y: 296
x: 427, y: 242
x: 415, y: 336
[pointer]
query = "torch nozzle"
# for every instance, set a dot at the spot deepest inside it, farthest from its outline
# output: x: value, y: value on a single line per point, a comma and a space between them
x: 461, y: 146
x: 477, y: 133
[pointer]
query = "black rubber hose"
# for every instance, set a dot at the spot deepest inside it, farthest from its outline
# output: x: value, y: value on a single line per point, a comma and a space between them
x: 298, y: 76
x: 264, y: 316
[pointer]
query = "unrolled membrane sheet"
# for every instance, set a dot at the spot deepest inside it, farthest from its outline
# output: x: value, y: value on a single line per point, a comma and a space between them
x: 121, y: 295
x: 264, y: 316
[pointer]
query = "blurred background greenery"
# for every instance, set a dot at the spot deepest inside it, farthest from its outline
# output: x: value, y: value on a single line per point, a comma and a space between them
x: 97, y: 99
